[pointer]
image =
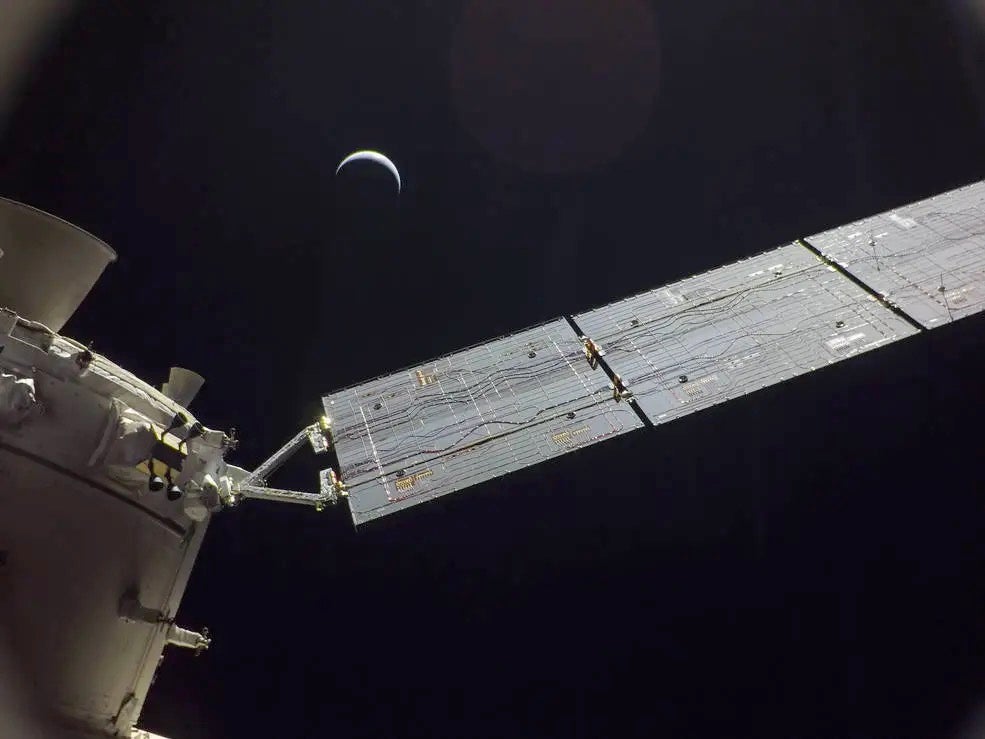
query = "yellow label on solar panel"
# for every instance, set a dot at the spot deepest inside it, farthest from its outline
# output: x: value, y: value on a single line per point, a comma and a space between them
x: 406, y: 483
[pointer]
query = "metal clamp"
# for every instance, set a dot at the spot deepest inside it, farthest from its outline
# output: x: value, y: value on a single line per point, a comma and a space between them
x: 592, y: 352
x: 619, y: 390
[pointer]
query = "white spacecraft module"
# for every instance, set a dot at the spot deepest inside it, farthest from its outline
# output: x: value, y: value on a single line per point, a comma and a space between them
x: 107, y: 484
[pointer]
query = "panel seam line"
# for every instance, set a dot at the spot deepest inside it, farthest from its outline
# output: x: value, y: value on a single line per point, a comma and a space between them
x: 882, y: 299
x: 610, y: 373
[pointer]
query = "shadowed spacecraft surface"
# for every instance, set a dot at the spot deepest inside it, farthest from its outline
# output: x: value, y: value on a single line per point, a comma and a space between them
x: 125, y: 478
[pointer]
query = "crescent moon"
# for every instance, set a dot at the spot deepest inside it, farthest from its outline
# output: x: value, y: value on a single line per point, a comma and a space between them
x: 371, y: 156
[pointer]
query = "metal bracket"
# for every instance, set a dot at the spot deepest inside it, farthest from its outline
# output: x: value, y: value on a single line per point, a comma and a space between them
x: 619, y: 390
x: 188, y: 639
x: 592, y: 352
x: 131, y: 610
x: 320, y: 435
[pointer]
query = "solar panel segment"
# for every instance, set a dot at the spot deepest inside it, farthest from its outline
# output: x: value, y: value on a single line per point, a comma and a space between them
x: 927, y: 257
x: 470, y: 416
x: 473, y: 415
x: 737, y: 329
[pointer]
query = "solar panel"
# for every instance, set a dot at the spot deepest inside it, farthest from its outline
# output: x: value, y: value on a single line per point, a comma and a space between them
x: 927, y: 257
x: 510, y: 403
x: 470, y: 416
x: 737, y: 329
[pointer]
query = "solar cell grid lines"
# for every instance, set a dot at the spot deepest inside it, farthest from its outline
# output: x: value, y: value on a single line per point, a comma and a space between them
x: 927, y: 257
x: 483, y: 412
x: 737, y: 329
x: 470, y: 416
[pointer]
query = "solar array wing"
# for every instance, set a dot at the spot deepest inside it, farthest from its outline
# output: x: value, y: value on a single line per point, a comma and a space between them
x: 470, y: 416
x: 928, y: 257
x: 483, y: 412
x: 736, y: 329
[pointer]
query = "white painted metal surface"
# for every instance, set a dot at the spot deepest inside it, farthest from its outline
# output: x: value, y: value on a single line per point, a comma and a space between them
x: 47, y: 265
x: 93, y: 563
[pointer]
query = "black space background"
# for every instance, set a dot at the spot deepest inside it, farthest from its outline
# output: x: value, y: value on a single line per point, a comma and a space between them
x: 804, y: 562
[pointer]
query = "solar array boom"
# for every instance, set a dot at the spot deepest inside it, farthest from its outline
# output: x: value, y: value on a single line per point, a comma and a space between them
x: 468, y: 417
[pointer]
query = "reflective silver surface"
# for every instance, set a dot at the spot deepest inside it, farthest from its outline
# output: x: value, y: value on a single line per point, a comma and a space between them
x: 470, y: 416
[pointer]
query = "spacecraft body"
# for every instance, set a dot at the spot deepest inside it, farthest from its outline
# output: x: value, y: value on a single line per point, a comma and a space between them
x: 93, y: 561
x: 107, y: 484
